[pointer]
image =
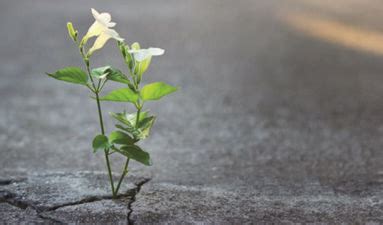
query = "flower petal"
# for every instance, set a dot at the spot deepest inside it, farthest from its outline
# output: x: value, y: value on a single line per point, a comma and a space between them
x: 95, y: 13
x: 95, y: 30
x: 140, y: 54
x: 103, y: 38
x: 156, y: 51
x: 113, y: 34
x: 103, y: 18
x: 111, y: 24
x: 99, y: 42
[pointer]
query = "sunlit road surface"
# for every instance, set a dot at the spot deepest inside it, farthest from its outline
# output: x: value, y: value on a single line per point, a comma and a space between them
x: 333, y: 30
x: 337, y: 33
x: 272, y: 92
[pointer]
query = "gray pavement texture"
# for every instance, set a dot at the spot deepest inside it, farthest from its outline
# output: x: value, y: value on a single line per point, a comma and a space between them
x: 271, y: 125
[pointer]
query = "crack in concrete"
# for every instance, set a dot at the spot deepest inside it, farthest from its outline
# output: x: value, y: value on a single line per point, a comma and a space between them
x: 13, y: 199
x: 82, y: 201
x: 4, y: 182
x: 54, y: 221
x: 89, y: 200
x: 133, y: 193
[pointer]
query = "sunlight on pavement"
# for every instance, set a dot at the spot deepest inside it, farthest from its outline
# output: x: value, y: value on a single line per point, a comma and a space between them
x: 351, y: 7
x: 336, y: 32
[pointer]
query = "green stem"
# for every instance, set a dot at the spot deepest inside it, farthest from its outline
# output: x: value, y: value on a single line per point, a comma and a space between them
x: 124, y: 172
x: 106, y: 151
x: 138, y: 116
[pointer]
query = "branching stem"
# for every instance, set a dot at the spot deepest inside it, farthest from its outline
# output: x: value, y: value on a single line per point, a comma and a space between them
x: 96, y: 91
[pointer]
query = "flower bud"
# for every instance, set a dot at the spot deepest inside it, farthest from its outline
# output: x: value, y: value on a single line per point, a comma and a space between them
x: 72, y: 32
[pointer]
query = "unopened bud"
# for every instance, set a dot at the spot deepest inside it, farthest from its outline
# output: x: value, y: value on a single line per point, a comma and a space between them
x: 72, y: 32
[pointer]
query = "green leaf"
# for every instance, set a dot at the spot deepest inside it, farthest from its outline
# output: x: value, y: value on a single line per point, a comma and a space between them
x: 121, y: 95
x: 157, y: 90
x: 127, y: 121
x: 129, y: 118
x: 70, y: 74
x: 111, y: 74
x: 124, y: 118
x: 100, y: 142
x: 121, y: 138
x: 136, y: 153
x: 139, y: 132
x: 97, y: 72
x: 130, y: 130
x: 145, y: 126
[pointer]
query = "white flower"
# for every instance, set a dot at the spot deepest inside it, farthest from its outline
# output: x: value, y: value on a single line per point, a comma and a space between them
x: 101, y: 29
x: 103, y: 38
x: 142, y: 54
x: 102, y: 23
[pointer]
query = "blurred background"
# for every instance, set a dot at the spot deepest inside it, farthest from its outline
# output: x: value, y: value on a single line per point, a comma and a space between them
x: 271, y: 91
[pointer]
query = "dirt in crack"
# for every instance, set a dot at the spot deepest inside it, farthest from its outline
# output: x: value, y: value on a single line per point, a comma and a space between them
x: 133, y: 193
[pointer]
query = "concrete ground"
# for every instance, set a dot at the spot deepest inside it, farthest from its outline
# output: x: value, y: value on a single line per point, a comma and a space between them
x: 278, y: 120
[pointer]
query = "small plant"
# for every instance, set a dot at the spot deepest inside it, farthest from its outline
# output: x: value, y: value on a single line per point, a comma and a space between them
x: 132, y: 127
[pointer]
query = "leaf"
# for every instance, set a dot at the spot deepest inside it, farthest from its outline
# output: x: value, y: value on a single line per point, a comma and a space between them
x: 111, y: 74
x: 118, y: 76
x: 157, y: 90
x: 132, y: 131
x: 129, y: 120
x: 124, y: 118
x: 130, y: 127
x: 121, y: 95
x: 71, y: 74
x: 121, y: 138
x: 145, y: 126
x: 136, y: 153
x: 100, y: 142
x: 97, y: 72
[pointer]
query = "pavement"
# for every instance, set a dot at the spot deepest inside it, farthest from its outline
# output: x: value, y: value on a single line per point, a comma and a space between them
x: 278, y: 118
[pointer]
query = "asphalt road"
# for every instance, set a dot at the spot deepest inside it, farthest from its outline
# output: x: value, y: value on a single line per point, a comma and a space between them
x: 272, y: 92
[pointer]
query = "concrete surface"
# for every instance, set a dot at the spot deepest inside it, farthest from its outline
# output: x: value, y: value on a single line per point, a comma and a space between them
x: 83, y: 197
x: 274, y: 122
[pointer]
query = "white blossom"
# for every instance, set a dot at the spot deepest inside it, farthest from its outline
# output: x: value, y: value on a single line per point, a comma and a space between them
x: 101, y: 28
x: 142, y: 54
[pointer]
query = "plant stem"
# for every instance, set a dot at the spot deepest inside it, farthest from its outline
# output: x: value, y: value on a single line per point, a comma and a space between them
x: 138, y: 116
x: 100, y: 114
x: 106, y: 151
x: 124, y: 172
